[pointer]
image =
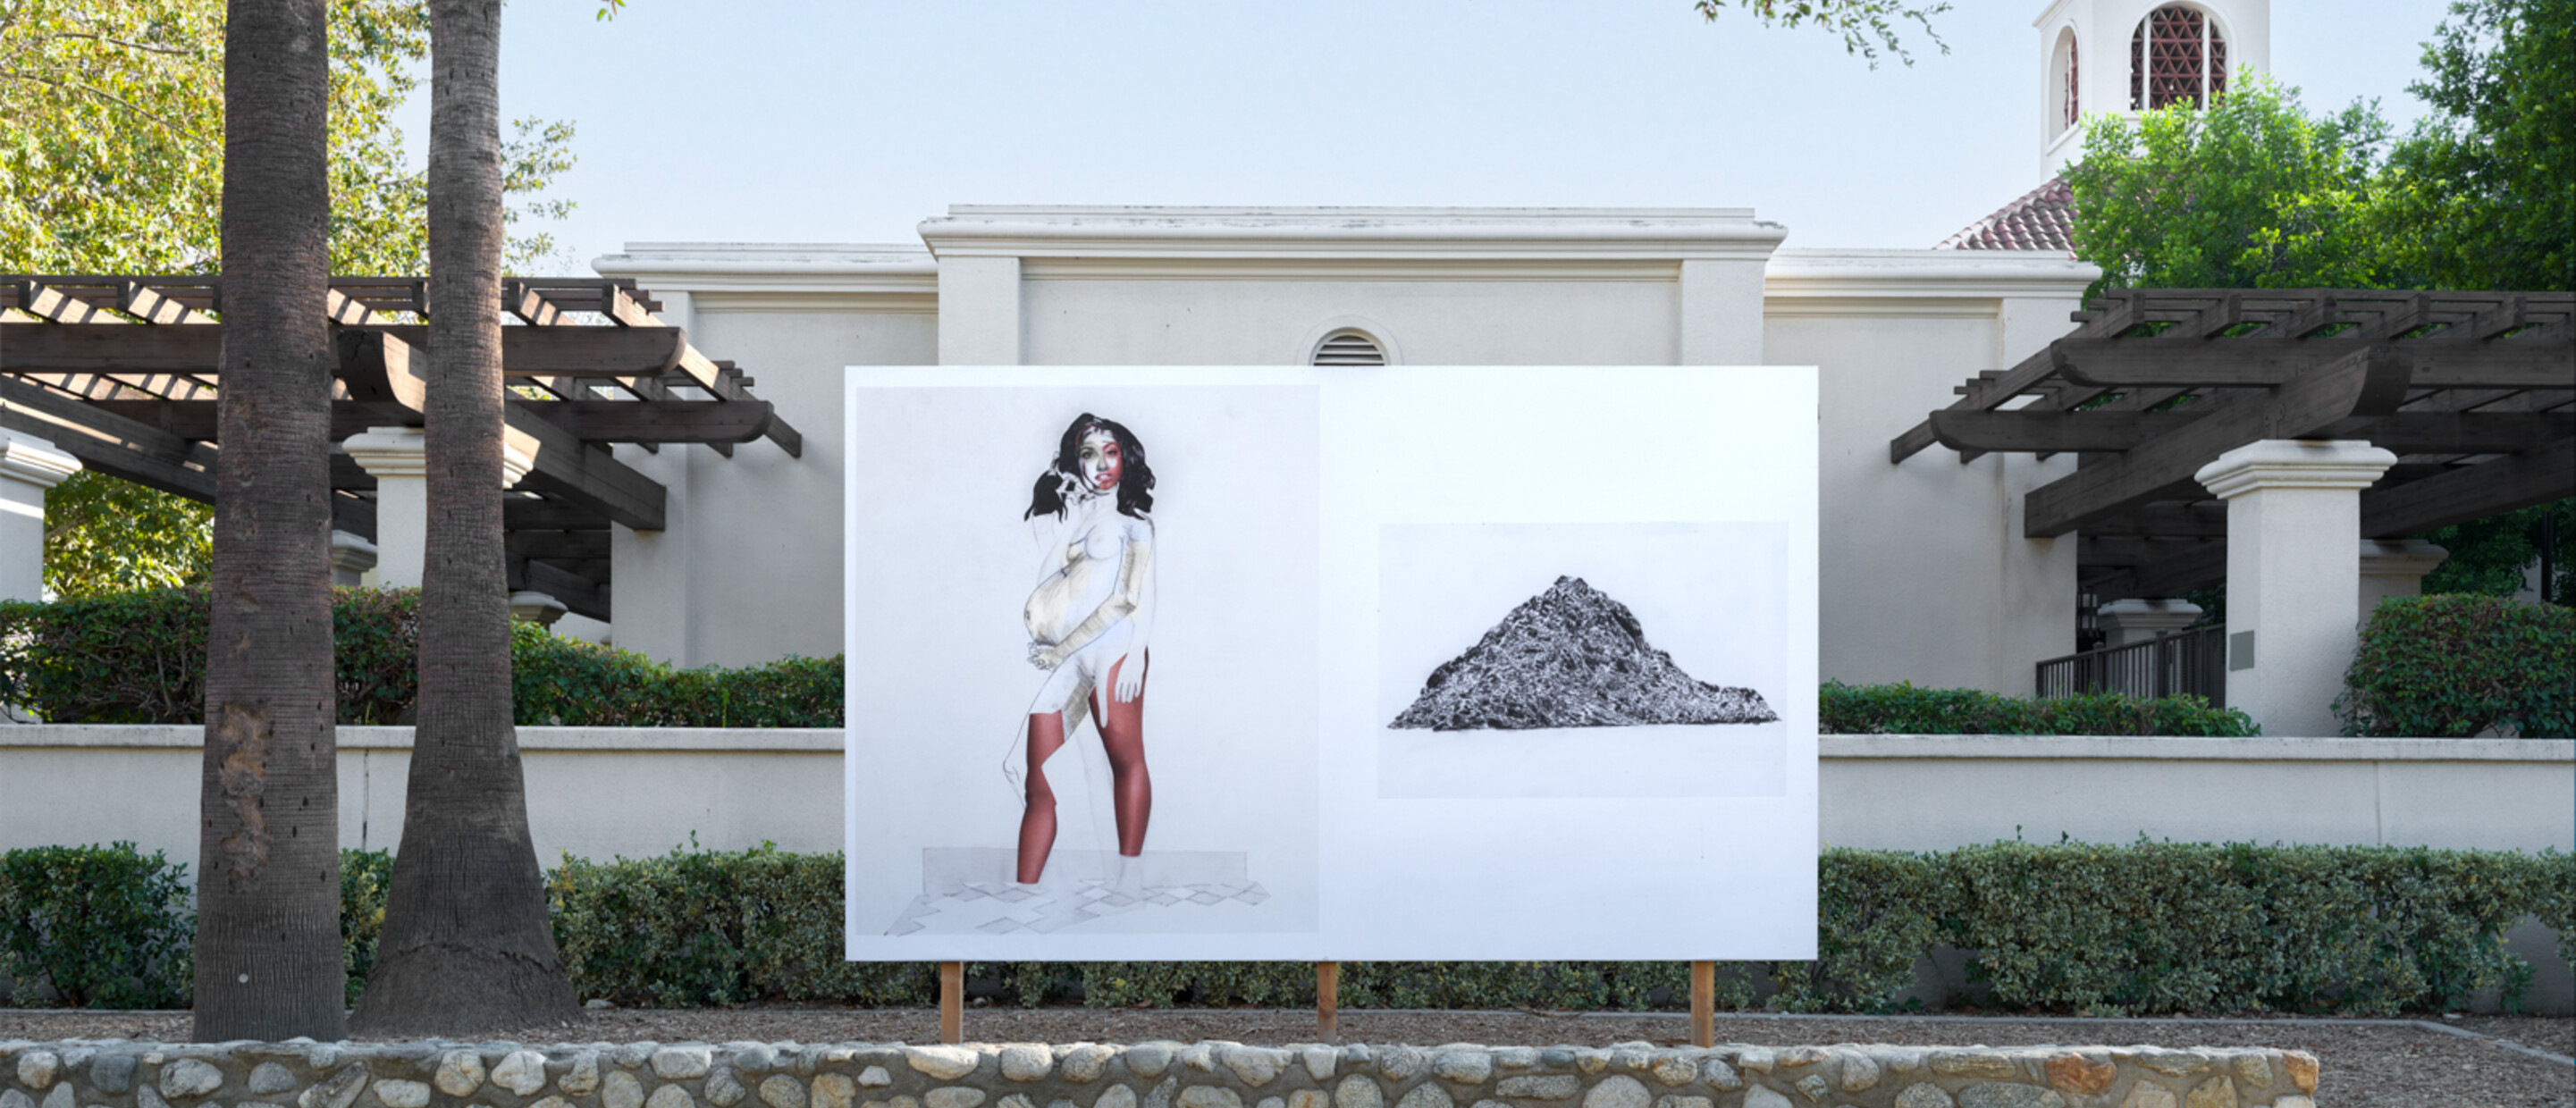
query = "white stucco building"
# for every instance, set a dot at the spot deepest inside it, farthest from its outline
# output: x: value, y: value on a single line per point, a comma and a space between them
x: 1925, y: 575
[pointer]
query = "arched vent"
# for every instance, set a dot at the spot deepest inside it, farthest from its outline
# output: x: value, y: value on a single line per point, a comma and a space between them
x: 1349, y: 348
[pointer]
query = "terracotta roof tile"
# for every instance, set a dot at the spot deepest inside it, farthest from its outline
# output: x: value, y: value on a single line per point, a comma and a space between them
x: 2043, y: 219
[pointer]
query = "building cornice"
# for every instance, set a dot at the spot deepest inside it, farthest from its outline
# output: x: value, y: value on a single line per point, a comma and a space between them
x: 1351, y: 234
x: 809, y: 274
x: 1923, y: 274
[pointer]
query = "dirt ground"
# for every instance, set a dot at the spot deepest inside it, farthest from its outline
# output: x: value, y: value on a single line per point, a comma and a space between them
x: 2382, y: 1064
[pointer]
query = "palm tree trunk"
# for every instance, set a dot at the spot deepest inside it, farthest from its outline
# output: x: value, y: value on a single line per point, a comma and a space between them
x: 268, y: 859
x: 466, y: 946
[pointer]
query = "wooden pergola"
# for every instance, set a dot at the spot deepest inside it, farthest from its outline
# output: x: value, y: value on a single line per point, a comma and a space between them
x: 2474, y: 391
x: 122, y: 372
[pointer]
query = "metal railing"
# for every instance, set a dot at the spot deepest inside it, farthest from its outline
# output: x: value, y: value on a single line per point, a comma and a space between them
x: 2192, y: 661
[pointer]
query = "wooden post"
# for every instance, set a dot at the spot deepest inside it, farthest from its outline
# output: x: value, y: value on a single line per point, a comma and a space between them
x: 1703, y: 1004
x: 1328, y: 1001
x: 952, y: 1002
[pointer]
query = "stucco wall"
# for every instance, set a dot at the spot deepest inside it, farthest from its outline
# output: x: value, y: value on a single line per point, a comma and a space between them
x: 604, y: 791
x: 600, y: 793
x: 1623, y: 320
x: 1925, y: 577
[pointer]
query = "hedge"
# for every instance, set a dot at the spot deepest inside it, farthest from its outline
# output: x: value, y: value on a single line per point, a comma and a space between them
x: 2454, y: 666
x: 1906, y: 710
x: 2060, y: 927
x: 140, y: 658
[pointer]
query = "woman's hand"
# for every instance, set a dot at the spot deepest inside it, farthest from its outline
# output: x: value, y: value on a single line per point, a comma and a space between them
x: 1131, y: 679
x: 1043, y: 656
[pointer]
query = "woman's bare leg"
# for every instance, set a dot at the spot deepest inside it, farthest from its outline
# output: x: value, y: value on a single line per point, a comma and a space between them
x: 1122, y: 734
x: 1037, y: 820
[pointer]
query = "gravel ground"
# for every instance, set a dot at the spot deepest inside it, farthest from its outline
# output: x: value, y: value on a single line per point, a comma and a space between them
x: 2395, y: 1064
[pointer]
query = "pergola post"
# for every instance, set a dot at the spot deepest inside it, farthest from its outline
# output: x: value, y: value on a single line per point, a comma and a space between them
x: 2293, y: 582
x: 2395, y: 567
x: 28, y: 466
x: 352, y: 556
x: 395, y: 457
x: 2134, y: 620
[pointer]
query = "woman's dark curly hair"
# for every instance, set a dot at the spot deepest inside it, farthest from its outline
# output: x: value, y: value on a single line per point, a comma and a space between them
x: 1135, y: 484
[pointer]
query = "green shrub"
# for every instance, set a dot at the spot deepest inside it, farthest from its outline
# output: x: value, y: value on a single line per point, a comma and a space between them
x: 140, y: 658
x: 1906, y: 710
x: 2453, y: 666
x: 2073, y: 927
x: 555, y: 679
x: 710, y: 927
x: 365, y: 877
x: 108, y: 927
x: 105, y: 926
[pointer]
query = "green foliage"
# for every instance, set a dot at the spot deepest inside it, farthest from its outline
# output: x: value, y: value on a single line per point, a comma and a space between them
x: 111, y: 161
x: 2250, y: 193
x: 2482, y: 194
x: 2453, y: 666
x: 709, y: 927
x: 111, y: 153
x: 2195, y: 927
x: 2152, y: 927
x: 2489, y: 556
x: 1903, y: 709
x: 365, y: 877
x: 1865, y: 25
x: 114, y: 658
x: 2073, y: 927
x: 140, y: 658
x: 556, y: 679
x: 105, y: 926
x: 105, y: 535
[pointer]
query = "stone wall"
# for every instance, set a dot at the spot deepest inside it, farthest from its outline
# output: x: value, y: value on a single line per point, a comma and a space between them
x: 305, y: 1074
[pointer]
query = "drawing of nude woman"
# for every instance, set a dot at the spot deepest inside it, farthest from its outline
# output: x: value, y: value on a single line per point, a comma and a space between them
x: 1088, y: 620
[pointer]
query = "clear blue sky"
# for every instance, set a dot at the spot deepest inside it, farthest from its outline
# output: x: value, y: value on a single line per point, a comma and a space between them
x: 851, y: 120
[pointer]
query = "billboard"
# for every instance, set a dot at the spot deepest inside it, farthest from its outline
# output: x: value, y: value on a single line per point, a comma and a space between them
x: 1330, y: 663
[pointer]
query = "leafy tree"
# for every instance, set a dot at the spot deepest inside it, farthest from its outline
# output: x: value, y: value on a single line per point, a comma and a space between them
x: 111, y: 161
x: 1865, y: 25
x: 2254, y: 192
x: 2482, y: 194
x: 104, y: 535
x: 2250, y: 193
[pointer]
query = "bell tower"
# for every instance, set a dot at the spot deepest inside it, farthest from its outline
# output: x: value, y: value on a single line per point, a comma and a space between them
x: 2131, y: 55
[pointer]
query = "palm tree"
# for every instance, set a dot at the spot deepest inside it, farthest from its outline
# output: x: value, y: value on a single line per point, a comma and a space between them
x: 466, y: 944
x: 268, y: 860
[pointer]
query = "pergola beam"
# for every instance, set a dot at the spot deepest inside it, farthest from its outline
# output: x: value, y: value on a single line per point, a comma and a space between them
x: 2470, y: 492
x: 2111, y: 431
x: 2366, y: 382
x: 2522, y: 362
x: 588, y: 420
x: 525, y: 351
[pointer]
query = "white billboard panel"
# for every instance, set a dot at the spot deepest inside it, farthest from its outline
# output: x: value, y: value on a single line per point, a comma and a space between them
x: 1331, y: 663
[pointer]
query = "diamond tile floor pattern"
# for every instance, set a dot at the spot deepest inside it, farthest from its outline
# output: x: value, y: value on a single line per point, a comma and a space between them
x: 996, y: 908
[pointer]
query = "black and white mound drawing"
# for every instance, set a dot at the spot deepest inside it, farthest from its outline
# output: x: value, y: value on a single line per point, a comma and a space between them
x: 1571, y: 657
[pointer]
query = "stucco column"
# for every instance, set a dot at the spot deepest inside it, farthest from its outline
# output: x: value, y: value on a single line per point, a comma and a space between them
x: 28, y: 466
x: 351, y: 557
x: 979, y: 311
x: 2395, y: 567
x: 2293, y: 509
x: 394, y: 457
x: 1721, y: 311
x: 2127, y: 621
